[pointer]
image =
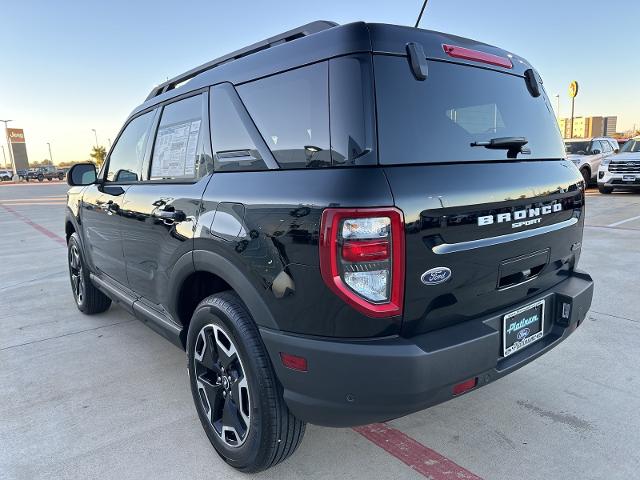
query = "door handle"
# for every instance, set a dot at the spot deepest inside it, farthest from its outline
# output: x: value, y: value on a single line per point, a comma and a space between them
x: 170, y: 215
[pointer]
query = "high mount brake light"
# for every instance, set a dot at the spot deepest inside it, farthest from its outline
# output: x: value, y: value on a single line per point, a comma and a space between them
x: 362, y: 258
x: 477, y: 56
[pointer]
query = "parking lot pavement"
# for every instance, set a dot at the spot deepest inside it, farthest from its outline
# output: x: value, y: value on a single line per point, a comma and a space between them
x: 105, y: 397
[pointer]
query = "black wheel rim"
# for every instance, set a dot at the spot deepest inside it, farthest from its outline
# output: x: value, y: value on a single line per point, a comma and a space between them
x: 77, y: 277
x: 222, y: 385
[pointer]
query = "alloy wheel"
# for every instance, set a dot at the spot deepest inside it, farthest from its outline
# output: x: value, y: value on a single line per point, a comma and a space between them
x: 77, y: 277
x: 222, y: 385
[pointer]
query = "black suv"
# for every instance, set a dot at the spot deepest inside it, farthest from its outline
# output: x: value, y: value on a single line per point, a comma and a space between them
x: 341, y: 225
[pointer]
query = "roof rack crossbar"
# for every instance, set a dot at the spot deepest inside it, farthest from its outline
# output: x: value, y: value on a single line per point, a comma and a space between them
x: 299, y: 32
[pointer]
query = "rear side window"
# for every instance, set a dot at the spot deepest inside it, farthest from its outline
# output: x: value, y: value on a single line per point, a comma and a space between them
x: 233, y: 145
x: 126, y: 157
x: 176, y: 147
x: 437, y: 119
x: 291, y: 111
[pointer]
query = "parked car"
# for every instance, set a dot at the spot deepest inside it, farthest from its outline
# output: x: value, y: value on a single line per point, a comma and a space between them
x: 621, y: 170
x: 22, y: 173
x: 48, y: 172
x: 339, y: 226
x: 586, y: 154
x: 5, y: 175
x: 34, y: 174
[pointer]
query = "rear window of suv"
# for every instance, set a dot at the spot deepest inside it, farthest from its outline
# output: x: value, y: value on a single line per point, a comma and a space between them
x: 437, y: 119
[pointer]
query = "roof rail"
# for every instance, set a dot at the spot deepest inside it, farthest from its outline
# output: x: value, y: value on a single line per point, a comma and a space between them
x: 294, y: 34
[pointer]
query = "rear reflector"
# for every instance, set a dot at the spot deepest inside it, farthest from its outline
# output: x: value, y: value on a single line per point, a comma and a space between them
x: 465, y: 386
x: 294, y: 362
x: 477, y: 56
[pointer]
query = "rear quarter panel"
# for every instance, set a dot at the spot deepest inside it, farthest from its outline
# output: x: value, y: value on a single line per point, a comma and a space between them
x: 267, y: 223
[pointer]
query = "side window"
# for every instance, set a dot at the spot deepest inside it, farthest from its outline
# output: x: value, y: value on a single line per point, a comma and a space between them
x: 233, y: 146
x: 176, y: 145
x: 127, y: 154
x: 607, y: 147
x: 291, y: 111
x: 596, y: 145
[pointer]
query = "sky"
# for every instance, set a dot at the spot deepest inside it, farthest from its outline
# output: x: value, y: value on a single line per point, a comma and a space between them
x: 68, y: 67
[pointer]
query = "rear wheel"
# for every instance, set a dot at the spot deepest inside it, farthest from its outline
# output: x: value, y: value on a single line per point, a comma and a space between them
x: 236, y: 394
x: 40, y: 178
x: 88, y: 298
x: 586, y: 176
x: 605, y: 190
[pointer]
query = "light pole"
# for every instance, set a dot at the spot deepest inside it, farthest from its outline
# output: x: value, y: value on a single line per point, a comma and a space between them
x: 6, y: 134
x: 96, y: 135
x: 4, y: 157
x: 50, y: 156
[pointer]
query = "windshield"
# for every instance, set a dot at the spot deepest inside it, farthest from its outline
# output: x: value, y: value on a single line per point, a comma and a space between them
x: 438, y: 119
x: 577, y: 148
x: 632, y: 146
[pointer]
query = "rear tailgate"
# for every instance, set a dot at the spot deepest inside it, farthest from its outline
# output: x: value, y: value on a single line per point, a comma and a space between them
x: 494, y: 265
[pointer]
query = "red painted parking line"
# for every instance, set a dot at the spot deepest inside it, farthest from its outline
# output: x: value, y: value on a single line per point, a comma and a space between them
x: 43, y: 230
x: 420, y: 458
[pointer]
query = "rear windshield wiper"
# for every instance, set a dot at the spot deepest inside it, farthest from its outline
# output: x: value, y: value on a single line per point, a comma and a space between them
x: 513, y: 145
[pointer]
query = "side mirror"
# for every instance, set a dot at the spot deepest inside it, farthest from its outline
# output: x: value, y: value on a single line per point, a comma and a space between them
x: 595, y: 152
x: 82, y: 174
x: 616, y: 150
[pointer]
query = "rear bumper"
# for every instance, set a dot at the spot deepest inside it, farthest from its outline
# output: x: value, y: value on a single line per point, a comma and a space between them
x: 359, y: 382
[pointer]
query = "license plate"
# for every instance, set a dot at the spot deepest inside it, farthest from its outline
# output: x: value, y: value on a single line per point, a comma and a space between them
x: 628, y: 178
x: 522, y: 327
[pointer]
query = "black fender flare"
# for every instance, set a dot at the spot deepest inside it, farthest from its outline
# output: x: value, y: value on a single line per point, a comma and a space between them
x: 208, y: 261
x: 69, y: 217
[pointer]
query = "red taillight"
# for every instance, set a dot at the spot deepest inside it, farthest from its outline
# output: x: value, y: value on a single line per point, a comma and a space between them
x: 362, y: 258
x: 477, y: 56
x: 465, y: 386
x: 363, y: 251
x: 293, y: 362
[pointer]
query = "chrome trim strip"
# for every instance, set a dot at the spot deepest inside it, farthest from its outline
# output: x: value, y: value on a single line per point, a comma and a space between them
x: 446, y: 248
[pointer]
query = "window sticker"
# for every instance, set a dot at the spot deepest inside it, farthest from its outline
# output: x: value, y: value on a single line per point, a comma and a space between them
x: 175, y: 151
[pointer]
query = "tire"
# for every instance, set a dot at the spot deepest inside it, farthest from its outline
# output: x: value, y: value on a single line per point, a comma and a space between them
x: 60, y: 177
x: 586, y: 176
x: 605, y: 190
x: 227, y: 361
x: 89, y: 299
x: 40, y: 178
x: 49, y: 179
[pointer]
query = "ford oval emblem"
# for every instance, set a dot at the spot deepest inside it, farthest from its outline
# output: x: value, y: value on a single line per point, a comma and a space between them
x: 436, y: 276
x: 524, y: 333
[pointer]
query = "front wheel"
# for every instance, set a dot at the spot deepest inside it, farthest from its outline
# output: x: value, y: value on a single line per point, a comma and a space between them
x: 88, y: 298
x: 40, y: 178
x: 235, y: 390
x: 586, y: 176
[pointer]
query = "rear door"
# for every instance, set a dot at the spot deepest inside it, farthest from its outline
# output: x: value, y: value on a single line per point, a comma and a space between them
x: 160, y: 211
x: 101, y: 204
x: 504, y: 224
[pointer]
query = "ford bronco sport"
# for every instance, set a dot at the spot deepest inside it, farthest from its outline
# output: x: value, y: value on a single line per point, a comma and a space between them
x: 340, y: 225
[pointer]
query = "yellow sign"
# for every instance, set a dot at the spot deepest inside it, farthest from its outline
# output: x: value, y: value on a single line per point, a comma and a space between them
x: 573, y: 89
